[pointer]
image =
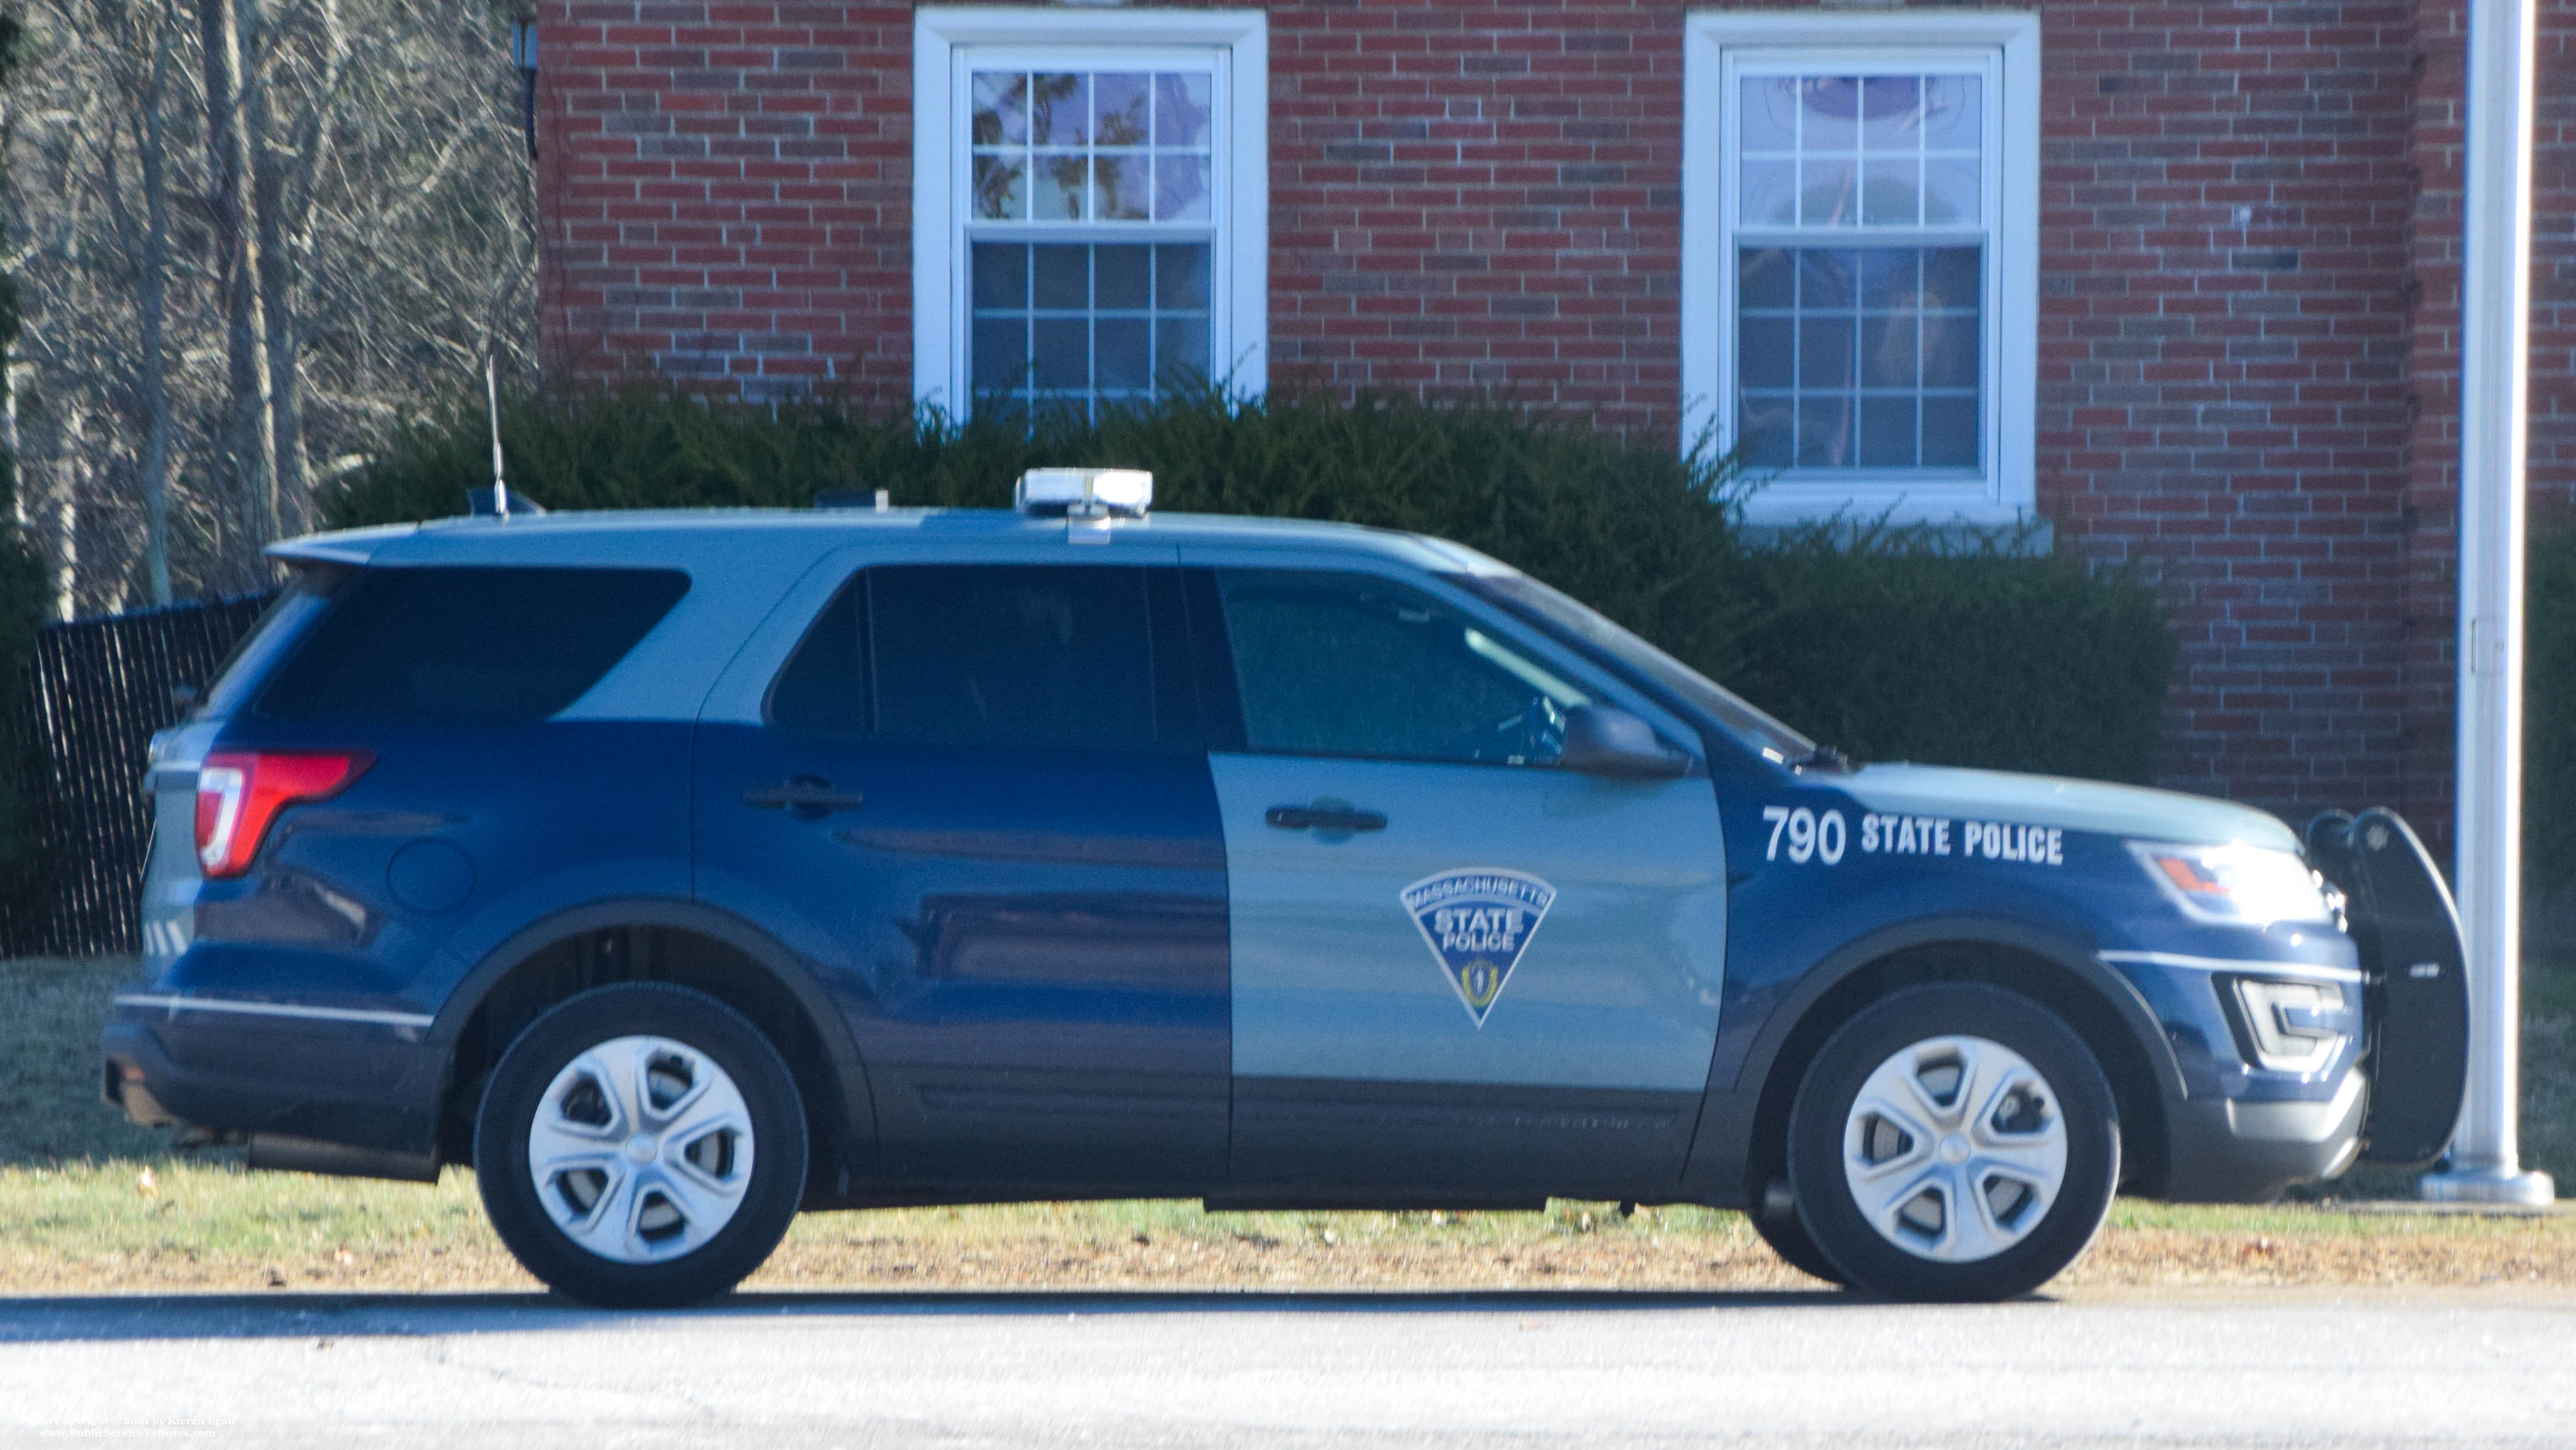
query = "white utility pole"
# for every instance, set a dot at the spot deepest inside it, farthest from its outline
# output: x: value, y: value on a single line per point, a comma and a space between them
x: 2495, y: 387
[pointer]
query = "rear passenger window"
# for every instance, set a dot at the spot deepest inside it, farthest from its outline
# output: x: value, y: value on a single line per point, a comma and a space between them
x: 468, y: 645
x: 1021, y: 656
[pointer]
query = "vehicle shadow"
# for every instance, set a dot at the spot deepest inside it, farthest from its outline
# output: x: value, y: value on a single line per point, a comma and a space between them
x: 96, y: 1318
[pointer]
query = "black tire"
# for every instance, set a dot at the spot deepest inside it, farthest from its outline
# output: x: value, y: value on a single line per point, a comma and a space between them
x: 764, y: 1195
x: 2071, y: 1088
x: 1780, y: 1227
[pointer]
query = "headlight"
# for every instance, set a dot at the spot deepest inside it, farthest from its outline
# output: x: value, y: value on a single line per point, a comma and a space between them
x: 2287, y: 1021
x: 2236, y: 885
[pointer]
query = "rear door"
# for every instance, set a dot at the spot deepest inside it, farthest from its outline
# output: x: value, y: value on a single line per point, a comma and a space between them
x: 1454, y: 963
x: 977, y: 797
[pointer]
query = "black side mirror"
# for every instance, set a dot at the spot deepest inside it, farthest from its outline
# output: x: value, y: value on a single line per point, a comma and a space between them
x: 1606, y: 740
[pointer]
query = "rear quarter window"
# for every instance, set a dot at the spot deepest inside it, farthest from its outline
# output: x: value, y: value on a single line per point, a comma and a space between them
x: 467, y: 645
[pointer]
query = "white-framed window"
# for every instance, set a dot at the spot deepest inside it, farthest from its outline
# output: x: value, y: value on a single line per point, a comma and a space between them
x: 1860, y: 279
x: 1090, y: 205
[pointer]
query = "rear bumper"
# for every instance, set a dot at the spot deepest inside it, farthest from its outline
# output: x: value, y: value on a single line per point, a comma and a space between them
x: 291, y: 1084
x: 2232, y: 1150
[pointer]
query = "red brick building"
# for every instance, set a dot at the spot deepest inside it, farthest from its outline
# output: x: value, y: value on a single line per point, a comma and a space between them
x: 2179, y: 279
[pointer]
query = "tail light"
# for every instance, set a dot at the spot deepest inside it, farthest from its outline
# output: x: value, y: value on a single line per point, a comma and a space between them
x: 240, y: 792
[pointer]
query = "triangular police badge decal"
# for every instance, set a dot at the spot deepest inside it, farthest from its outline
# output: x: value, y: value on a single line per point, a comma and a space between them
x: 1478, y: 922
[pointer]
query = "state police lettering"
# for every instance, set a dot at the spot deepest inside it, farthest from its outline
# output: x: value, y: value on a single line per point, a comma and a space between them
x: 1478, y: 922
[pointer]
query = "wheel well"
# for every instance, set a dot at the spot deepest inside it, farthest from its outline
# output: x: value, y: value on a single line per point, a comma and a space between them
x: 2143, y: 1140
x: 595, y: 958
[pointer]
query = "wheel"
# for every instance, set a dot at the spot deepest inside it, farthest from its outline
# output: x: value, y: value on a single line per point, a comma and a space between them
x: 1776, y: 1220
x: 641, y: 1146
x: 1953, y: 1142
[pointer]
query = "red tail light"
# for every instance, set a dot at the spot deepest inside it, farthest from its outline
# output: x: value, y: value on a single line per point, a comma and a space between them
x: 240, y: 791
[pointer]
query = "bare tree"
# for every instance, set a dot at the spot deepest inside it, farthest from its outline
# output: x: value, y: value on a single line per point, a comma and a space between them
x: 252, y: 237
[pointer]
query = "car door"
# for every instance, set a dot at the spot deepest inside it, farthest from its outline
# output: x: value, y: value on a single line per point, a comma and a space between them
x: 976, y: 793
x: 1454, y: 963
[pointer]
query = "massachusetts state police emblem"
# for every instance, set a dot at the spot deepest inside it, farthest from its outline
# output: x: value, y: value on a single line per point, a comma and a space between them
x: 1478, y: 923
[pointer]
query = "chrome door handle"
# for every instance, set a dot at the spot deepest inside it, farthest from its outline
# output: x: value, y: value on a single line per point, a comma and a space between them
x: 808, y: 796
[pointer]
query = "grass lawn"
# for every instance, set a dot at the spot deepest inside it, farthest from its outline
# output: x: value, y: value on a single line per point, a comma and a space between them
x: 89, y: 1204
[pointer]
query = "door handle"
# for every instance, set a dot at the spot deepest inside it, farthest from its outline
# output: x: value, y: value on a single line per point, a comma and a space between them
x: 807, y: 796
x: 1320, y: 817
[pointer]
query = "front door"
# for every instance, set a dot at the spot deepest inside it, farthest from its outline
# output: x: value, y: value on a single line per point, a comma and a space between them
x: 980, y: 795
x: 1454, y: 963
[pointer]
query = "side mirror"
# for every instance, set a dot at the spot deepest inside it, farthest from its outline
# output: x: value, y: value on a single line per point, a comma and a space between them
x: 1606, y: 740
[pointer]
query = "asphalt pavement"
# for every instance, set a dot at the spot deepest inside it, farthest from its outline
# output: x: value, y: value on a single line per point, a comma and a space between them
x: 2251, y: 1368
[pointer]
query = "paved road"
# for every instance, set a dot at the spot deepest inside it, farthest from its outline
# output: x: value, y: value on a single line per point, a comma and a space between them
x: 1528, y: 1371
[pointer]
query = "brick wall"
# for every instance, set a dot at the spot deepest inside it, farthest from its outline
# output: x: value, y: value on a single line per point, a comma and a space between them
x: 2249, y: 277
x: 1483, y: 194
x: 728, y: 193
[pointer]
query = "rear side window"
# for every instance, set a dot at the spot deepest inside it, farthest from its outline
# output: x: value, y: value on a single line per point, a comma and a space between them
x: 468, y: 646
x: 1008, y: 656
x: 1033, y: 656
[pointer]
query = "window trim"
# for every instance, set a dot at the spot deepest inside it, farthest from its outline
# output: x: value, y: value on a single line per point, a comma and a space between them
x: 2008, y: 493
x: 1239, y: 324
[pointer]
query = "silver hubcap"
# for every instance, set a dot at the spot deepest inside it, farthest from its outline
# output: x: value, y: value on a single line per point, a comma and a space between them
x: 1955, y: 1149
x: 641, y: 1149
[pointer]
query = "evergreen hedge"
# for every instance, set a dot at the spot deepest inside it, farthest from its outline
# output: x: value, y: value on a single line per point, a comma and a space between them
x: 1879, y: 643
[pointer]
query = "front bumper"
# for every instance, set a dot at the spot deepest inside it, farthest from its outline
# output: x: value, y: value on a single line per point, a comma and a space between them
x: 2238, y: 1150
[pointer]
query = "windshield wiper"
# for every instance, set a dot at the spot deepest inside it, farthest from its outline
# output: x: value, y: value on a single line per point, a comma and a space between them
x: 1823, y: 757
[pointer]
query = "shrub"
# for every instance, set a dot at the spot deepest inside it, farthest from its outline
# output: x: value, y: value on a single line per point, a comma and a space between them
x: 1877, y: 643
x: 1893, y: 647
x: 2549, y: 714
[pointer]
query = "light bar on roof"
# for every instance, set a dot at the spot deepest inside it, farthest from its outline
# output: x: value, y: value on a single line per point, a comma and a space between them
x: 1084, y: 493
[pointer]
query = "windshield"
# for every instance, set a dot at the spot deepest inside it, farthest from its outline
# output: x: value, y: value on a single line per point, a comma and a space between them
x: 1564, y: 615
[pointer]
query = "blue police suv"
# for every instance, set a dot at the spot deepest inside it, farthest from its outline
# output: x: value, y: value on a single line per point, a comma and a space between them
x: 679, y: 871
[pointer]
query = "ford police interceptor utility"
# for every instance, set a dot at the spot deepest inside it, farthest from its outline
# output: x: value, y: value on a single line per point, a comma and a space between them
x: 678, y: 871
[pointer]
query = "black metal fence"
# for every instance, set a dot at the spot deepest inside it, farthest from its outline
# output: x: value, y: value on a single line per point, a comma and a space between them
x: 97, y: 689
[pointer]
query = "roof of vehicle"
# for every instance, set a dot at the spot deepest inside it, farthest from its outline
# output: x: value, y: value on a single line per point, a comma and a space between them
x: 714, y: 537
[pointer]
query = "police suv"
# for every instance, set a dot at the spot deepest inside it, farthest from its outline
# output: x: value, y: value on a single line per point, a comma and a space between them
x: 679, y: 871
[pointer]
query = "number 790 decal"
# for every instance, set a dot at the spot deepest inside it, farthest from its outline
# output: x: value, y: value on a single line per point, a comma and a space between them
x: 1811, y: 837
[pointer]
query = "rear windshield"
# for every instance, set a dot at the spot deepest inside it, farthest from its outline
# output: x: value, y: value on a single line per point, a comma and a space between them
x: 467, y: 646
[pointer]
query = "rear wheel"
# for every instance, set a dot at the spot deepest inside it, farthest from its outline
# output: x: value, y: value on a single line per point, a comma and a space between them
x: 1953, y: 1142
x: 641, y: 1145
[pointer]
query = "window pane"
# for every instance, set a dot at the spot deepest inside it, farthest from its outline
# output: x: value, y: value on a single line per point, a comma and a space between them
x: 1001, y: 354
x: 1059, y: 186
x: 1887, y: 432
x: 1181, y: 276
x: 1765, y: 429
x: 1181, y: 109
x: 1950, y: 432
x: 1950, y: 191
x: 1888, y: 358
x: 1767, y: 277
x: 825, y: 685
x: 1121, y: 359
x: 1060, y: 351
x: 1824, y: 353
x: 1001, y: 109
x: 1062, y: 276
x: 1001, y: 275
x: 1181, y: 354
x: 1825, y: 430
x: 1122, y: 276
x: 1181, y: 189
x: 1765, y: 349
x: 1891, y: 114
x: 1119, y: 115
x: 469, y: 645
x: 1825, y: 193
x: 1952, y: 119
x: 1769, y: 114
x: 1830, y: 116
x: 1001, y: 187
x: 1344, y: 664
x: 1890, y: 193
x: 1059, y: 107
x: 1015, y: 657
x: 1119, y: 187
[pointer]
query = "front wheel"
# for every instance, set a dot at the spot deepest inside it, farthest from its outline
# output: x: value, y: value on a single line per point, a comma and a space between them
x: 1953, y: 1142
x: 641, y: 1146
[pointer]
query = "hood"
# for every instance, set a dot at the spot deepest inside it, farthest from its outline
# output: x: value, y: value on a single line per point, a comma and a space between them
x: 2077, y: 805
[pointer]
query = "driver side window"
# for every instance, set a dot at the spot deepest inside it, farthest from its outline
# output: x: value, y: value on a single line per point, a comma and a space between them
x: 1351, y: 664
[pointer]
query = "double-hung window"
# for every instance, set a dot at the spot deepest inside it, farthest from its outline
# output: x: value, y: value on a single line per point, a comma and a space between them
x: 1090, y: 204
x: 1859, y: 291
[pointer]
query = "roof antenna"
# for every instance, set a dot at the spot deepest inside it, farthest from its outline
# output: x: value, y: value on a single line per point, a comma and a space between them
x: 492, y: 404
